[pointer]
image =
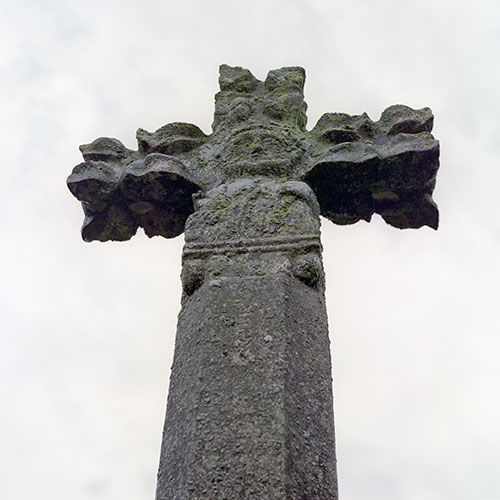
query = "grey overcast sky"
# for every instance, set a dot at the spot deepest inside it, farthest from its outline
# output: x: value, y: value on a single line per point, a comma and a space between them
x: 88, y: 329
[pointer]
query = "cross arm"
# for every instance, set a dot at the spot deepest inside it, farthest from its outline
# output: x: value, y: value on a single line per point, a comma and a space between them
x: 121, y: 189
x: 358, y: 167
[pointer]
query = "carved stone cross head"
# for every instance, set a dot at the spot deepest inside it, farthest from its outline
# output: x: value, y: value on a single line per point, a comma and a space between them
x: 355, y: 166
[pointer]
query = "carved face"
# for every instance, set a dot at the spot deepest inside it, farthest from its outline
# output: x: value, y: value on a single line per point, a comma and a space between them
x: 260, y: 123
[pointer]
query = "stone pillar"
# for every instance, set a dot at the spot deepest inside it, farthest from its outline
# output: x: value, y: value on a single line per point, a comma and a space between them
x: 250, y: 409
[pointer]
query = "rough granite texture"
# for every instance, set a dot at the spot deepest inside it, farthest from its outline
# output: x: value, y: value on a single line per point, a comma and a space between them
x: 250, y: 408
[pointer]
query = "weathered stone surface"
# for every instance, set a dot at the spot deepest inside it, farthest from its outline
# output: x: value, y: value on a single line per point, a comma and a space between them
x: 385, y: 167
x: 400, y: 119
x: 171, y: 139
x: 119, y: 195
x: 250, y: 411
x: 250, y: 407
x: 357, y: 167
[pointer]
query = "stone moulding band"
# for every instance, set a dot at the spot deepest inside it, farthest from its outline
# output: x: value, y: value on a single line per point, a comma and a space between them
x: 193, y: 250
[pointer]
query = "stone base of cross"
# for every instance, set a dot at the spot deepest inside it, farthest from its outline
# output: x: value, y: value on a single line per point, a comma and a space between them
x: 250, y: 407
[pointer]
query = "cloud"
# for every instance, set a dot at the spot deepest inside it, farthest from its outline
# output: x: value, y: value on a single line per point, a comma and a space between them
x: 87, y: 329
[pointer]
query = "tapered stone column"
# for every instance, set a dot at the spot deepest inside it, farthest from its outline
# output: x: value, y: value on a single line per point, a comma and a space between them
x: 250, y: 411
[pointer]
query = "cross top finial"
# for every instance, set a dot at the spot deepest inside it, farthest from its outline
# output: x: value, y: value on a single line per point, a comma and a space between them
x: 279, y: 100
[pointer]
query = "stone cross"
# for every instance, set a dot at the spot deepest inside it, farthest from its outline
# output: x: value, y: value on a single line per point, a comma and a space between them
x: 250, y: 407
